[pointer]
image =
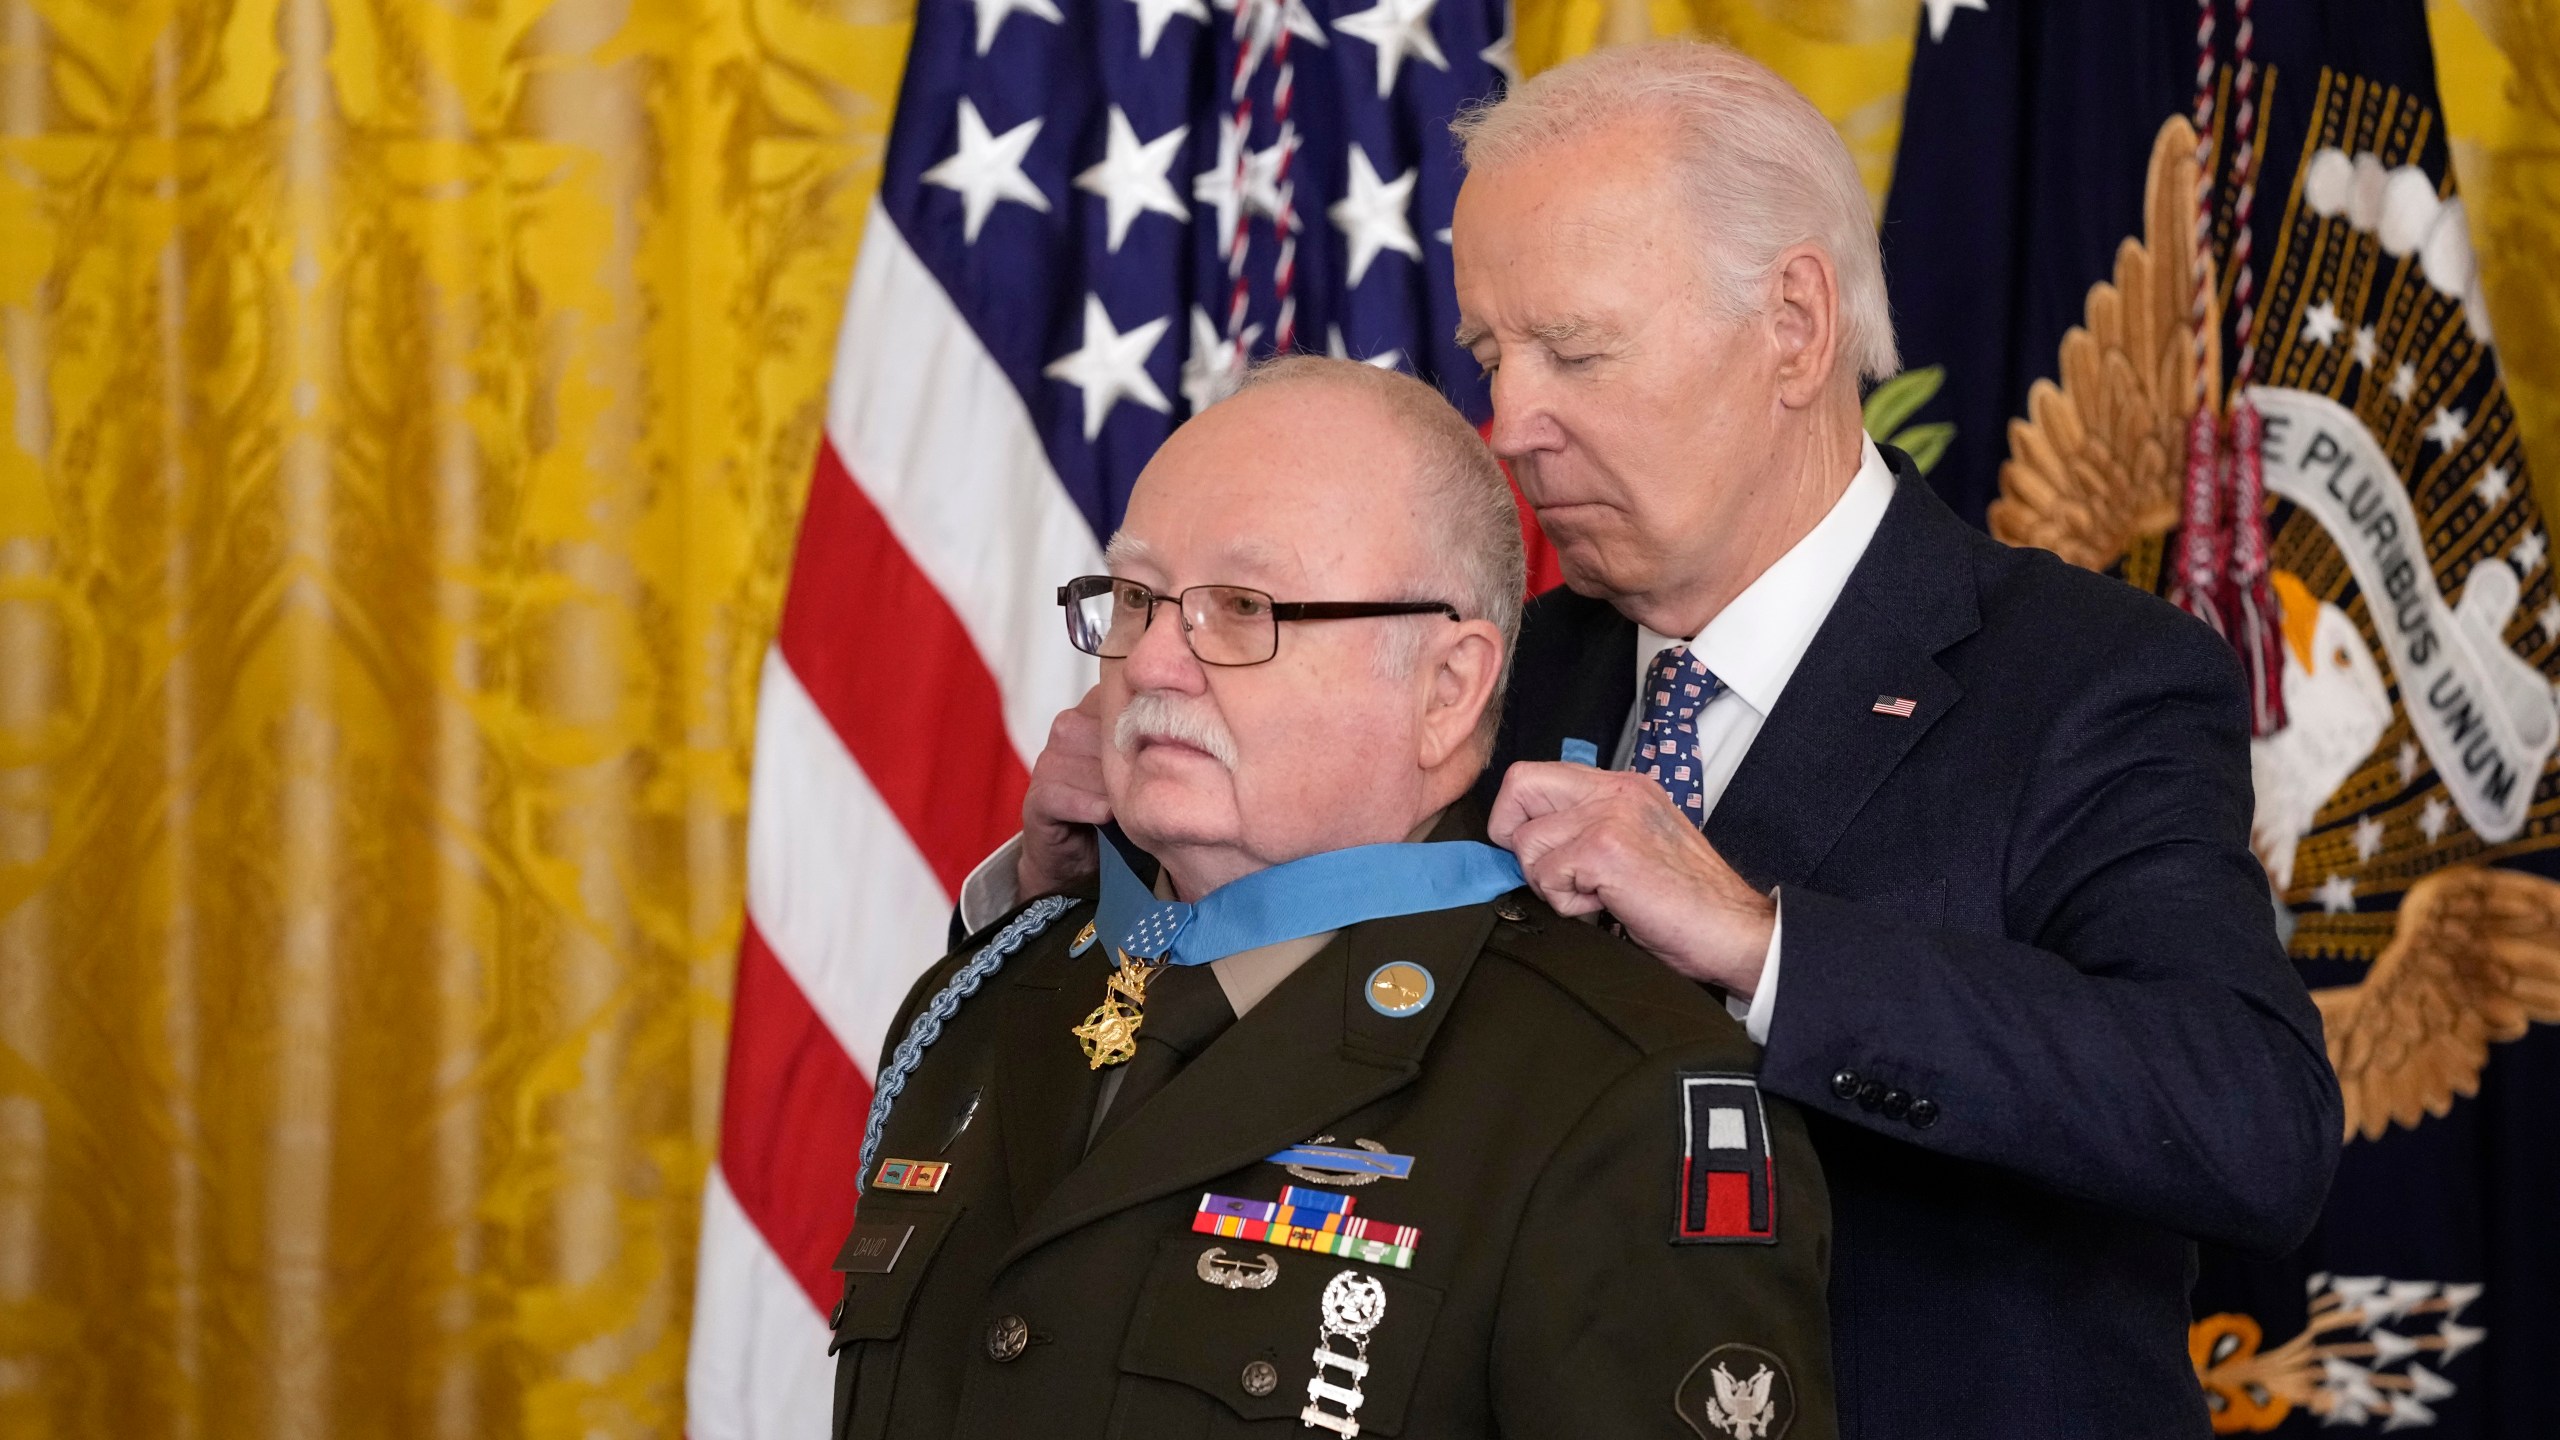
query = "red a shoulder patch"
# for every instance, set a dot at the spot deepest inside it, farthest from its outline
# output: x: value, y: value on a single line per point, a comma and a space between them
x: 1728, y: 1179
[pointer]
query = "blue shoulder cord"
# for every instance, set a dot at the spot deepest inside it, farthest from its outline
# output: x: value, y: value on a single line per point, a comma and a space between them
x: 928, y: 1023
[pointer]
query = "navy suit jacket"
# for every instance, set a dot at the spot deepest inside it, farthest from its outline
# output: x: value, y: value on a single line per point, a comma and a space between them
x: 2033, y: 1003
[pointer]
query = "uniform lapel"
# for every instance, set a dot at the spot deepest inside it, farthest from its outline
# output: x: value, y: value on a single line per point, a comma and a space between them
x: 1310, y: 1053
x: 1046, y: 1087
x: 1823, y: 751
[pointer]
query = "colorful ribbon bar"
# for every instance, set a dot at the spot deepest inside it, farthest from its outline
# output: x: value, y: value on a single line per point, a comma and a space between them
x: 1322, y: 1201
x: 1294, y: 1222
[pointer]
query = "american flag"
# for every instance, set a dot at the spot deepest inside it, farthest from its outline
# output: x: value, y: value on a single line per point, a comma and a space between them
x: 1092, y: 212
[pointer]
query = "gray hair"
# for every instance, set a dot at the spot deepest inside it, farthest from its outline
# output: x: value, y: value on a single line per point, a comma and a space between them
x: 1763, y: 170
x: 1476, y: 559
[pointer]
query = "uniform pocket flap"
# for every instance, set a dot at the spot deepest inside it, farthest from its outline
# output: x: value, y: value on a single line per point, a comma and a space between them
x: 1260, y: 1335
x: 883, y: 1262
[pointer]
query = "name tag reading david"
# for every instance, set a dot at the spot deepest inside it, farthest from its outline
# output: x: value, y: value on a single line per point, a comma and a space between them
x: 873, y: 1248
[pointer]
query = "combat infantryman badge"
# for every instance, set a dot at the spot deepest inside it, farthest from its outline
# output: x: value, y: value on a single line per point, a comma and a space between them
x: 1737, y: 1392
x: 1728, y: 1180
x: 1353, y: 1305
x: 1321, y: 1162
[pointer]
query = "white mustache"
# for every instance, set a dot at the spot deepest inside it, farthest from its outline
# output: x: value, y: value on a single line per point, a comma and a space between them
x: 1154, y: 715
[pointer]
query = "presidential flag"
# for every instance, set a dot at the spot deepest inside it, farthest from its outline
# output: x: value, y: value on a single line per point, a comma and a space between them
x: 1093, y: 213
x: 2256, y: 372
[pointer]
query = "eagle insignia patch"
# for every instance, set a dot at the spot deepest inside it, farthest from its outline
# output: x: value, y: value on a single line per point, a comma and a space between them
x: 1737, y: 1392
x: 1728, y: 1179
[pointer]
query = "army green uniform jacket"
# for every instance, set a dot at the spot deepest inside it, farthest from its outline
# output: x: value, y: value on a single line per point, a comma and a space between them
x: 1562, y: 1096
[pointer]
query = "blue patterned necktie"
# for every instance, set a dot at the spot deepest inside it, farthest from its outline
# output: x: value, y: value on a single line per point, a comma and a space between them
x: 1677, y: 686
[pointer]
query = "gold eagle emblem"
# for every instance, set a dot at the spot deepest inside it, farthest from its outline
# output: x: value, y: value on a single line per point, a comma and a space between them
x: 2476, y: 958
x: 2095, y: 466
x: 2093, y: 474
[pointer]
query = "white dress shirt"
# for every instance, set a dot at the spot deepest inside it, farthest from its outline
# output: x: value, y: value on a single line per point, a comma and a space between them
x: 1753, y: 646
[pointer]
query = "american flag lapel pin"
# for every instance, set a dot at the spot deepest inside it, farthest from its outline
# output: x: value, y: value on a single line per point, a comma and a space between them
x: 1897, y: 706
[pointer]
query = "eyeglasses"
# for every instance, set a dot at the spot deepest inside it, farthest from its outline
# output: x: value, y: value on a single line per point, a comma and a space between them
x: 1224, y: 624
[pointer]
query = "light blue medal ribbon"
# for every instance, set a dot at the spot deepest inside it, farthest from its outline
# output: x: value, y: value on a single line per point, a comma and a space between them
x: 1298, y: 898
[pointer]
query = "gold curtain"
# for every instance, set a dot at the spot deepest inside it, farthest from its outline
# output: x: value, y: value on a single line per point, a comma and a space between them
x: 407, y: 406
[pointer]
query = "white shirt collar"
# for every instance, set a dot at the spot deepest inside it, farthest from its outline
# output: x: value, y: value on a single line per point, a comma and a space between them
x: 1754, y: 644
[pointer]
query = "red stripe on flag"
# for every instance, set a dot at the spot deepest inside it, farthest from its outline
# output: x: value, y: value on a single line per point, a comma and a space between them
x: 791, y: 1119
x: 886, y: 661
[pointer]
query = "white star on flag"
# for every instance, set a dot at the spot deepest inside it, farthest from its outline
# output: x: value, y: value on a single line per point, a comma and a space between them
x: 2527, y: 556
x: 2366, y: 350
x: 2409, y: 758
x: 1111, y: 366
x: 2320, y: 323
x: 2337, y: 895
x: 1333, y: 346
x: 1262, y: 178
x: 2548, y: 617
x: 988, y: 168
x: 2493, y: 483
x: 2404, y: 382
x: 992, y: 13
x: 1131, y: 178
x: 1942, y: 11
x: 1215, y: 187
x: 2446, y: 429
x: 1213, y: 368
x: 2368, y: 838
x: 1152, y: 16
x: 1397, y: 28
x: 1260, y: 27
x: 1371, y: 215
x: 1501, y: 56
x: 2432, y: 817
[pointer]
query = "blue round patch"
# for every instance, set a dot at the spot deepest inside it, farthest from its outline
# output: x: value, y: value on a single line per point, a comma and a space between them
x: 1399, y: 989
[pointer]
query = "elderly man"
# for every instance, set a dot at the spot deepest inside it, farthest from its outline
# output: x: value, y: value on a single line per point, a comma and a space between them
x: 1321, y: 1128
x: 1963, y: 831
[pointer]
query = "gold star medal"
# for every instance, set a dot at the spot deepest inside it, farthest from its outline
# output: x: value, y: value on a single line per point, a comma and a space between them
x: 1110, y: 1034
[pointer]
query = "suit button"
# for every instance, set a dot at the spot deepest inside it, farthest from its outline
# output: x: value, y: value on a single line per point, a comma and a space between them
x: 1505, y: 908
x: 1871, y: 1095
x: 835, y: 1321
x: 1259, y: 1379
x: 1007, y: 1337
x: 1845, y: 1084
x: 1924, y: 1113
x: 1896, y: 1102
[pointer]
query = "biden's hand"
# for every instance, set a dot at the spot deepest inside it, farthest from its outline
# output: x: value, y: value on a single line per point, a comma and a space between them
x: 1064, y: 803
x: 1592, y: 840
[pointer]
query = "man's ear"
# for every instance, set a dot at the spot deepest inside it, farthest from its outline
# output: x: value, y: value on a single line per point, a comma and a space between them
x: 1462, y: 667
x: 1806, y: 325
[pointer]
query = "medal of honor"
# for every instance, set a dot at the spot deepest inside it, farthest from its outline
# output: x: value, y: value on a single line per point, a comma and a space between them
x: 1109, y: 1035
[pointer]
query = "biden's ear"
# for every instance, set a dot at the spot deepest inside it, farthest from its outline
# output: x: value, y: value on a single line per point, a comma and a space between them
x: 1804, y: 325
x: 1460, y: 667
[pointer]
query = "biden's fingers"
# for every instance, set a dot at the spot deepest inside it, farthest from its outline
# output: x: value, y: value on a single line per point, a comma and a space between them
x: 1534, y: 788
